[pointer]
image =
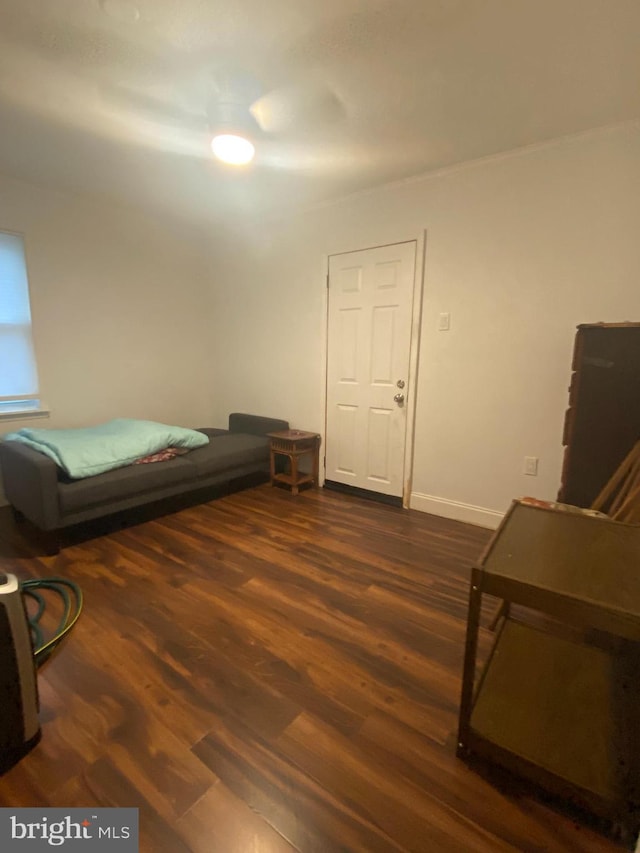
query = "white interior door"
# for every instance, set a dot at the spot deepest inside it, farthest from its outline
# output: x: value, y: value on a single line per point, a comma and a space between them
x: 369, y: 339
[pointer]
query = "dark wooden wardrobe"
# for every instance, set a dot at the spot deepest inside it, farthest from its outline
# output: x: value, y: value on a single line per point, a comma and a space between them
x: 603, y: 419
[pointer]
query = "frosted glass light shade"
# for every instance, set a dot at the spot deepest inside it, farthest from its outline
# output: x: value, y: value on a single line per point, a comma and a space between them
x: 233, y: 149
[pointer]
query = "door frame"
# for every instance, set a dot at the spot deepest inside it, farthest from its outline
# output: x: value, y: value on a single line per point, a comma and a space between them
x: 414, y: 350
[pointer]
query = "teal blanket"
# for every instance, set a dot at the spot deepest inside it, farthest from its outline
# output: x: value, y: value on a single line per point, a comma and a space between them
x: 93, y: 450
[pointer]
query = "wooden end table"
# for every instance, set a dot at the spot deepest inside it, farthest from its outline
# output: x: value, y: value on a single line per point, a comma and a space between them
x: 294, y: 444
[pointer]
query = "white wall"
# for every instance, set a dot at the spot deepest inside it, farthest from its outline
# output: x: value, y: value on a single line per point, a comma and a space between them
x: 520, y: 249
x: 119, y: 308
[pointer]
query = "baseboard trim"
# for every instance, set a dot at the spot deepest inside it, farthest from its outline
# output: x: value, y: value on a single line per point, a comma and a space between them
x: 456, y: 510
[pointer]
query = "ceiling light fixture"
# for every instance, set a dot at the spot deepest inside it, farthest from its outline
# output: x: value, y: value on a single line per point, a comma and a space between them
x: 233, y: 149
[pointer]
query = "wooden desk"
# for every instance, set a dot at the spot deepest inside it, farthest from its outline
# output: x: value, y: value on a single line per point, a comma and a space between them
x: 295, y: 444
x: 561, y: 710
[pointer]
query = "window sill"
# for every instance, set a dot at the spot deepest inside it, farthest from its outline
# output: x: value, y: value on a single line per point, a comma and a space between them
x: 24, y: 416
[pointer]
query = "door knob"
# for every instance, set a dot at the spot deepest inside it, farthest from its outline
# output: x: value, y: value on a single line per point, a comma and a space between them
x: 399, y: 399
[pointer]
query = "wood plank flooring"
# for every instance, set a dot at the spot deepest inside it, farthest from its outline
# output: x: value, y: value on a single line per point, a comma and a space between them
x: 269, y: 674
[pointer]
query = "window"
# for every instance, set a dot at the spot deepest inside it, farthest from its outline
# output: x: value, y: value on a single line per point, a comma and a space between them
x: 19, y: 392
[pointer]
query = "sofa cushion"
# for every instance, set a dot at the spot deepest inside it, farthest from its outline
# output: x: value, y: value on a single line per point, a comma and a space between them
x: 122, y: 483
x: 211, y: 432
x: 232, y: 450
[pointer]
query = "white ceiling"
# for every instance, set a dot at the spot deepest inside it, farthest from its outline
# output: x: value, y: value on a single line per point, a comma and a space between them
x: 423, y: 84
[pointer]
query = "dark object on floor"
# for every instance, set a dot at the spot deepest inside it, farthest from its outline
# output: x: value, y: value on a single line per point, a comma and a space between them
x: 19, y: 724
x: 71, y: 596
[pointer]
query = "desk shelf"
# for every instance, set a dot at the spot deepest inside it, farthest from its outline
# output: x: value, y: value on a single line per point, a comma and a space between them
x: 566, y: 708
x: 298, y: 480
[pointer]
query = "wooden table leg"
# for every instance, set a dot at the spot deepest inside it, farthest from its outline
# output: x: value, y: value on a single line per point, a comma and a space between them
x: 272, y: 466
x: 294, y: 473
x: 316, y: 461
x: 469, y: 670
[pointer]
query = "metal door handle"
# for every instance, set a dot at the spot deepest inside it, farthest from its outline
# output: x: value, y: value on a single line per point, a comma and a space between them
x: 399, y: 399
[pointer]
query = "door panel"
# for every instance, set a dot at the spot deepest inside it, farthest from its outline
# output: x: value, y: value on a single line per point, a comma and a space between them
x: 378, y: 446
x: 345, y: 443
x: 382, y: 344
x: 369, y: 338
x: 347, y: 344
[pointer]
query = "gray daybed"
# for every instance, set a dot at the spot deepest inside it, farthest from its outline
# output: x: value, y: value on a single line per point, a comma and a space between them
x: 39, y: 490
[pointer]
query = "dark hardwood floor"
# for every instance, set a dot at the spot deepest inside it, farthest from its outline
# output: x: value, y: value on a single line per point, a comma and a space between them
x: 264, y: 674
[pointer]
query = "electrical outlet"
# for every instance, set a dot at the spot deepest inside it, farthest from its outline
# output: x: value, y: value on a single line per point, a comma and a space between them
x: 531, y: 466
x: 444, y: 321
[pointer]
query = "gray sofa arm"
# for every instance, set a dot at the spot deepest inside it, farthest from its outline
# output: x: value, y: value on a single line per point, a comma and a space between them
x: 30, y: 481
x: 254, y: 424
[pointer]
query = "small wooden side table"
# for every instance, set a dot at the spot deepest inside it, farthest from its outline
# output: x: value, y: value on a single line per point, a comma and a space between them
x: 294, y: 444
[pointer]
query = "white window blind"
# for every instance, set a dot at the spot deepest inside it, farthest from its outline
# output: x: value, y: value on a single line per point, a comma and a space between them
x: 18, y: 371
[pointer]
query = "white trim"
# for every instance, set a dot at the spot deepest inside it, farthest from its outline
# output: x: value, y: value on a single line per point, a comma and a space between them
x: 324, y: 354
x: 456, y: 510
x: 281, y: 214
x: 26, y: 415
x: 412, y: 378
x: 369, y: 248
x: 464, y: 165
